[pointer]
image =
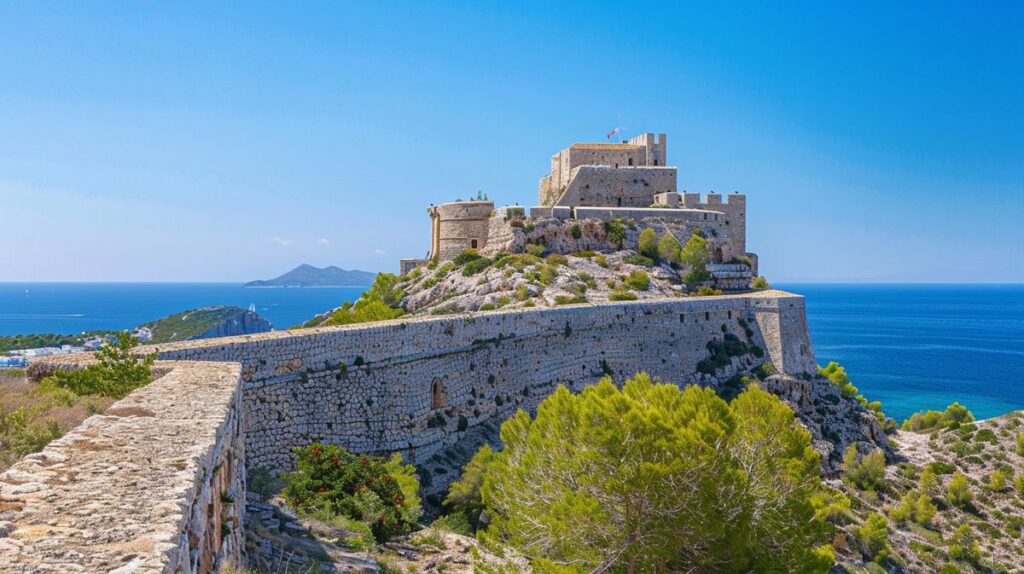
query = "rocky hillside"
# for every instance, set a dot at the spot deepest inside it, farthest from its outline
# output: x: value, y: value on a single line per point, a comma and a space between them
x: 953, y: 502
x: 528, y: 280
x: 207, y: 322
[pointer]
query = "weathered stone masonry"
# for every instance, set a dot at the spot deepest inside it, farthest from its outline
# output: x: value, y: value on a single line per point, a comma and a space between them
x: 375, y: 388
x: 157, y: 482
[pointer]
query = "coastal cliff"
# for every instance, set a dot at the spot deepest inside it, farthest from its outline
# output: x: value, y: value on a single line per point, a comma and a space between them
x: 207, y: 323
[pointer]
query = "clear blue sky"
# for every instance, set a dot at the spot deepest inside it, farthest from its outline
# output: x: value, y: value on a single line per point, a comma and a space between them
x: 163, y: 141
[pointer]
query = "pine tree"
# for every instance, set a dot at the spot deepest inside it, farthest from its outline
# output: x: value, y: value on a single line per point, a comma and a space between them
x: 652, y: 478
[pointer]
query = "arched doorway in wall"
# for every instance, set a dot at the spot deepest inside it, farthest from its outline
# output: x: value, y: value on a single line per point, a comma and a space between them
x: 438, y: 400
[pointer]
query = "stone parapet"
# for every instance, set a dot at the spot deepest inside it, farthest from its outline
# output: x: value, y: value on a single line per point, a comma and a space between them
x: 156, y: 484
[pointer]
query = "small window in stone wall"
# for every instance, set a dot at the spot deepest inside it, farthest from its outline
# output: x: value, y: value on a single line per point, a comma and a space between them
x: 472, y: 243
x: 437, y: 398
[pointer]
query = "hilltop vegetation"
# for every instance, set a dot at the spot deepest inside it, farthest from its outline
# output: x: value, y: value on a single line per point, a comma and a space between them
x: 472, y: 282
x: 205, y: 322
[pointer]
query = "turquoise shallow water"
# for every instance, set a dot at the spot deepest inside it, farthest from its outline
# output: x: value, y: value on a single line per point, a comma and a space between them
x: 917, y: 347
x: 910, y: 346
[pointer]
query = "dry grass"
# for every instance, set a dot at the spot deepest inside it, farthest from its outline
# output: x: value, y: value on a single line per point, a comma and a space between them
x: 30, y: 417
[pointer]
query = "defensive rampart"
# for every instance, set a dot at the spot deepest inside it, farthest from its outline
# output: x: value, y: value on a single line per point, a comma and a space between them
x: 155, y: 484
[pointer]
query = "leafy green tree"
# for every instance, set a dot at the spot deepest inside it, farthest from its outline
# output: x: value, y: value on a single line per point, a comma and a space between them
x: 954, y: 416
x: 760, y: 282
x: 866, y: 472
x: 958, y: 491
x: 700, y: 484
x: 695, y: 255
x: 873, y: 537
x: 647, y: 243
x: 669, y: 249
x: 916, y: 507
x: 837, y: 374
x: 998, y: 480
x: 118, y: 370
x: 928, y: 483
x: 615, y: 231
x: 464, y: 494
x: 378, y: 303
x: 964, y: 546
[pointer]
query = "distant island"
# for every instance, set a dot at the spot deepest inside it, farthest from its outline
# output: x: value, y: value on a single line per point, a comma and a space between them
x: 306, y: 275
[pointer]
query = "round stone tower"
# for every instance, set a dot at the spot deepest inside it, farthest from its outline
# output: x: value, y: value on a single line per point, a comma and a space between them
x: 458, y: 226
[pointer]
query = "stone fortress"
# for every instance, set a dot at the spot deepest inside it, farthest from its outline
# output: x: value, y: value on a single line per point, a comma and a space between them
x: 592, y: 183
x: 157, y: 483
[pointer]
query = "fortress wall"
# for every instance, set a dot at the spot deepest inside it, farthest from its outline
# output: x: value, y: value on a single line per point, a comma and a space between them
x: 735, y: 210
x: 426, y: 387
x: 154, y: 484
x: 601, y: 185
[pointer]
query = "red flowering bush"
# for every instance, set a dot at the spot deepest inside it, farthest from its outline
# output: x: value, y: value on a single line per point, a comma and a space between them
x: 382, y: 493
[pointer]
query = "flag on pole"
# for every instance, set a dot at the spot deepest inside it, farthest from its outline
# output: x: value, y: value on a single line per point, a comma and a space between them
x: 614, y: 133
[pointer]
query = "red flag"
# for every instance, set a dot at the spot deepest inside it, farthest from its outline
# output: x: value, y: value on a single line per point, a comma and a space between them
x: 614, y: 132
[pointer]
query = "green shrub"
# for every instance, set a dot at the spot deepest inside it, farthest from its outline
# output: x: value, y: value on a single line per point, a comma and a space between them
x: 475, y: 266
x: 518, y: 261
x: 638, y: 260
x: 20, y: 435
x: 378, y: 303
x: 998, y: 480
x: 958, y: 491
x: 380, y: 493
x: 760, y: 282
x: 866, y: 472
x: 915, y: 506
x: 837, y: 374
x: 953, y: 417
x: 465, y: 257
x: 570, y: 299
x: 963, y: 545
x: 873, y: 537
x: 615, y: 231
x: 534, y: 249
x: 669, y: 249
x: 705, y: 291
x: 576, y: 231
x: 695, y: 255
x: 117, y: 372
x: 586, y: 254
x: 620, y: 293
x: 557, y: 259
x: 940, y: 467
x: 638, y: 280
x: 647, y: 243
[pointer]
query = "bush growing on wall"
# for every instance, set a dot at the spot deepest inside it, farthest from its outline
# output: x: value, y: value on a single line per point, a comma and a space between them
x: 379, y: 303
x: 381, y: 493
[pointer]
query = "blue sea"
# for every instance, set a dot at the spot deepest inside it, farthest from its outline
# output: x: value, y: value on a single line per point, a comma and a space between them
x: 917, y: 347
x: 70, y: 308
x: 912, y: 347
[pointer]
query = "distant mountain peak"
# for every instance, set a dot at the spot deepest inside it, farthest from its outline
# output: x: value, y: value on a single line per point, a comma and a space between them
x: 306, y: 275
